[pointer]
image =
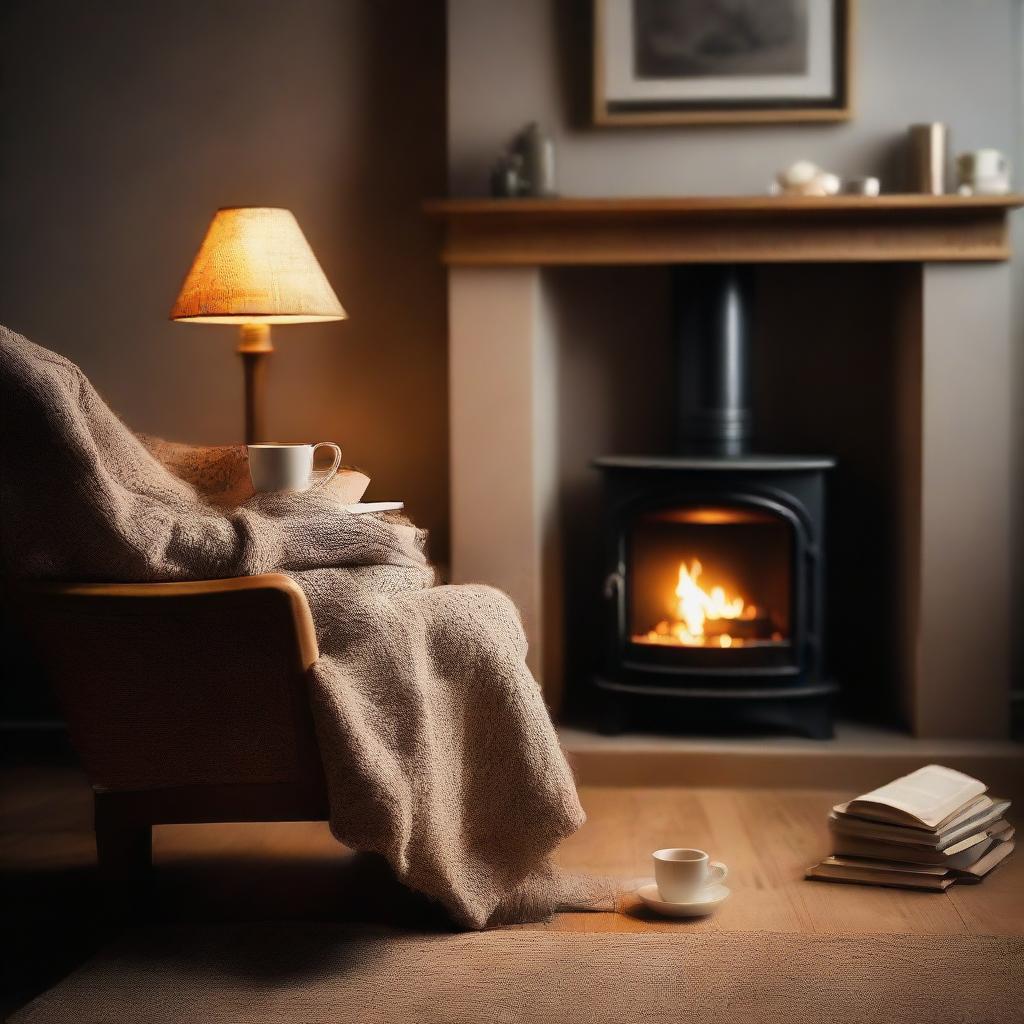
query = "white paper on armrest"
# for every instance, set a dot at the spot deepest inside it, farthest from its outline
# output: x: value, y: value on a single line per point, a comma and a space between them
x: 374, y: 506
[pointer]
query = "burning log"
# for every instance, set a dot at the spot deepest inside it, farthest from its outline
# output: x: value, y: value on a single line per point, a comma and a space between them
x: 760, y: 627
x: 710, y: 617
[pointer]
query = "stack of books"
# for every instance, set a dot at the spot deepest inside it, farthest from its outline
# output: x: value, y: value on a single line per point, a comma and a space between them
x: 925, y: 830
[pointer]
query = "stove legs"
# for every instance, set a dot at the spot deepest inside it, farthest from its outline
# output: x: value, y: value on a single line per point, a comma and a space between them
x: 813, y: 719
x: 613, y: 713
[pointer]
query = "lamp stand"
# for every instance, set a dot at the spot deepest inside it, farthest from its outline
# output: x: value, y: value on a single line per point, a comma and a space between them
x: 254, y: 346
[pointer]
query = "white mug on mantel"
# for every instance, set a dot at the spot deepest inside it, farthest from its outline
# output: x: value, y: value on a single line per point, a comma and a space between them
x: 983, y: 172
x: 681, y: 873
x: 289, y: 467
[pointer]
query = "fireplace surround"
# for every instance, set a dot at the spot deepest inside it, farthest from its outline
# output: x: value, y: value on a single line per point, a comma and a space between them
x: 715, y: 557
x: 555, y: 306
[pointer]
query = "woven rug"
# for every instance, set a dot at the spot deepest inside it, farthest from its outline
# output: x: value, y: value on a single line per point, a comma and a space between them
x: 320, y: 973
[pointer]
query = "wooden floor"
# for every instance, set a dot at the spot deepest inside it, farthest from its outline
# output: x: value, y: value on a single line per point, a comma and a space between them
x: 55, y: 917
x: 768, y: 838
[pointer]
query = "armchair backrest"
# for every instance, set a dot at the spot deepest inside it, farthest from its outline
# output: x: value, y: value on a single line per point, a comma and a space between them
x: 180, y: 684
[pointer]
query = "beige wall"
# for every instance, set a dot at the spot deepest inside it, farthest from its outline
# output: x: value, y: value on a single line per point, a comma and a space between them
x: 125, y: 123
x: 916, y: 60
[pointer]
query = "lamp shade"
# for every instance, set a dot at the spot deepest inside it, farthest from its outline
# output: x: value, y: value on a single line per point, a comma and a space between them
x: 255, y: 266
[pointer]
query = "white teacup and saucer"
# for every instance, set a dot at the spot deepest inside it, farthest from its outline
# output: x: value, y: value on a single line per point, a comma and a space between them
x: 687, y: 883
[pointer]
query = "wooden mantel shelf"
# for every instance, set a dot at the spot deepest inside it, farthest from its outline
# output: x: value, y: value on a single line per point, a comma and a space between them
x: 709, y: 229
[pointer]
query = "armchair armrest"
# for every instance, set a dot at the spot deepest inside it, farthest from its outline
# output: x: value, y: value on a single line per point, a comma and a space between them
x: 182, y: 684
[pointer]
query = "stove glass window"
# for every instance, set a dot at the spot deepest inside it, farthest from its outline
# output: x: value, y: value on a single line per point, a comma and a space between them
x: 710, y: 577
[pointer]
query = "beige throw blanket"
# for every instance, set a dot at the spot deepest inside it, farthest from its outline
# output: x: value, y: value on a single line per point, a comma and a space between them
x: 437, y: 746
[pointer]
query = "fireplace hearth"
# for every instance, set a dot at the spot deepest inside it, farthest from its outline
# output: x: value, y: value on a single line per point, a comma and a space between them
x: 713, y: 600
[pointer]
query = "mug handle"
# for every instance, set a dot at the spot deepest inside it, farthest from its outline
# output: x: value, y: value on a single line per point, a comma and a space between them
x: 324, y: 475
x: 718, y: 872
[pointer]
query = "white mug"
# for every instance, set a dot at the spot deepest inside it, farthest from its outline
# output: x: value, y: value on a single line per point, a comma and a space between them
x: 681, y: 873
x: 288, y: 467
x: 983, y: 172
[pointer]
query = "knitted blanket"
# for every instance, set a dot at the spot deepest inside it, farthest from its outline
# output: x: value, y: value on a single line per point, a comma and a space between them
x: 437, y: 747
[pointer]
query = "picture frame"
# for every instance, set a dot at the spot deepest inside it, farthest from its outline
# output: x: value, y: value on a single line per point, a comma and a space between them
x: 675, y: 62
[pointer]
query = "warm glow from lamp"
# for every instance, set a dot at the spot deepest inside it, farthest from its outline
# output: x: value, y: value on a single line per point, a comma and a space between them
x: 255, y: 268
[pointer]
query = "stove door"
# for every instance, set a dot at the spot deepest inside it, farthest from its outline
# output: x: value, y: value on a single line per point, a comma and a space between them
x: 710, y: 588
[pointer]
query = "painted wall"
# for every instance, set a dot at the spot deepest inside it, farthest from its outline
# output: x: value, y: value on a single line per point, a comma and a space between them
x: 916, y: 60
x: 1017, y: 511
x: 125, y: 124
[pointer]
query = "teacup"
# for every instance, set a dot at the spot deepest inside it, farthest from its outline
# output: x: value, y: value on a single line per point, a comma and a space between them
x: 289, y: 467
x: 682, y: 873
x: 983, y: 172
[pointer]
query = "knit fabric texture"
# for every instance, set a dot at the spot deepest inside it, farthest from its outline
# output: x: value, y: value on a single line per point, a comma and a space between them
x: 438, y: 750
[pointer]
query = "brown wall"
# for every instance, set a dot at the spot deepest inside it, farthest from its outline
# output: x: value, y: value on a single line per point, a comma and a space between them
x: 124, y: 124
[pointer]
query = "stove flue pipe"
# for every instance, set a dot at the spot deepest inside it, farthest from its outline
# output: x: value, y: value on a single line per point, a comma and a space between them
x: 711, y: 324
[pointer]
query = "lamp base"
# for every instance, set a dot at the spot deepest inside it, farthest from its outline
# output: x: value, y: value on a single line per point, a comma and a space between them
x: 254, y: 346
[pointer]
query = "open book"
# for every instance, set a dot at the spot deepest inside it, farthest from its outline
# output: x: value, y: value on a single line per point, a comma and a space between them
x: 925, y: 830
x: 981, y: 815
x: 931, y: 798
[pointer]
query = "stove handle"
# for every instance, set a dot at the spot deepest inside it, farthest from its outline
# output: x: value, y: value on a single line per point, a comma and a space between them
x: 613, y: 585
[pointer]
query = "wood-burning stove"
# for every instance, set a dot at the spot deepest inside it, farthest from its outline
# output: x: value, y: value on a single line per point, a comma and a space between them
x: 714, y: 592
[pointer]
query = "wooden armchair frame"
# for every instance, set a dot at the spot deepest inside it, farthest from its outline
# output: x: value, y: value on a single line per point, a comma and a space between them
x: 187, y: 702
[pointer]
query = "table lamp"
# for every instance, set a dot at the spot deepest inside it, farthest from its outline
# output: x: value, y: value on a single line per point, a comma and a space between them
x: 253, y: 269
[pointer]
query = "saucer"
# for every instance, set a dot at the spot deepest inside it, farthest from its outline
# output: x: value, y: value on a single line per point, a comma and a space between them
x: 704, y: 902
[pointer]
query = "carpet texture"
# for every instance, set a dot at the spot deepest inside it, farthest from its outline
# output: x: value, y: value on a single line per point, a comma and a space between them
x: 294, y: 974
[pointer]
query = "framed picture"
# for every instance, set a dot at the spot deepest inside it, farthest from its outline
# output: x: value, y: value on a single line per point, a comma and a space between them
x: 721, y: 61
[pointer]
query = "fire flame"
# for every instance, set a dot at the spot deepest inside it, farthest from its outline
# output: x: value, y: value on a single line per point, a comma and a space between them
x: 694, y: 607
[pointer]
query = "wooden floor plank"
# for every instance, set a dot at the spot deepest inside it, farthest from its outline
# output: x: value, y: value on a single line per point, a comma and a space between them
x: 996, y: 906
